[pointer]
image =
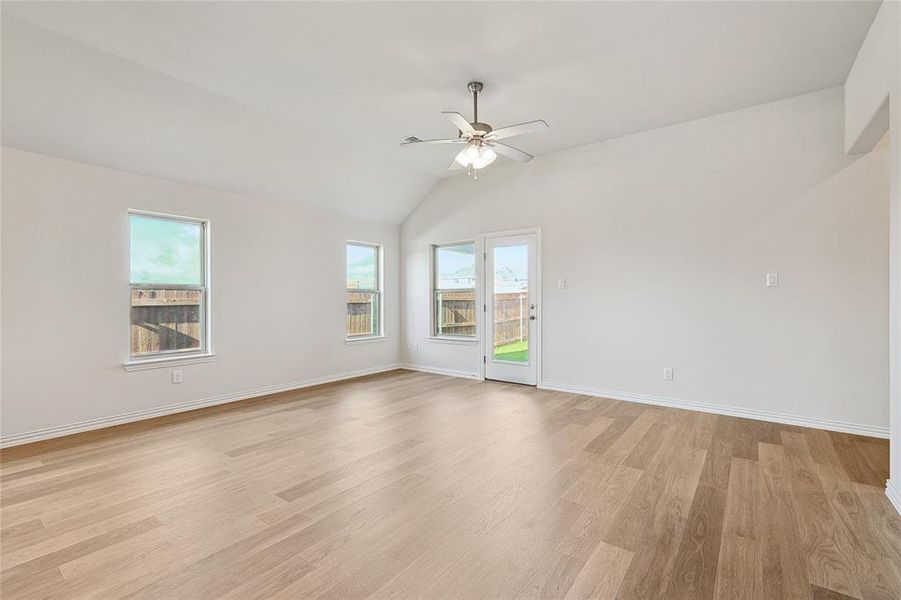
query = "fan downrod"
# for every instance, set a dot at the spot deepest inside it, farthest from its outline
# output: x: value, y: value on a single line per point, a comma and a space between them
x: 475, y: 87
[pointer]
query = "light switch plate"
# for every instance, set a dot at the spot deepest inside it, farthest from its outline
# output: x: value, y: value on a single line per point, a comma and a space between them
x: 561, y: 284
x: 772, y: 279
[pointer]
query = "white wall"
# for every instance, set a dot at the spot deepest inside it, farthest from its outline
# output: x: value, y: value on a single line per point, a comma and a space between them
x: 895, y: 204
x: 872, y: 105
x: 867, y: 87
x: 277, y: 293
x: 665, y: 238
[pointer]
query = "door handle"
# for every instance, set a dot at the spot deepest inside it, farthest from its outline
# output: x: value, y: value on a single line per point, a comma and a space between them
x: 532, y: 317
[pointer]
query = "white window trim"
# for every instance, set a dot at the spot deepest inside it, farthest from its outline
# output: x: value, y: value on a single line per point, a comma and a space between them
x: 364, y: 339
x: 433, y: 280
x: 459, y: 340
x: 167, y: 361
x: 174, y: 358
x: 380, y: 284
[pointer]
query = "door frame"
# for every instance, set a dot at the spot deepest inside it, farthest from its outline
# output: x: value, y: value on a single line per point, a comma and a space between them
x: 483, y: 298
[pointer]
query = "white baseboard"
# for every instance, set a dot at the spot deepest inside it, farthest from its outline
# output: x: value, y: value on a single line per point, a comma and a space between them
x: 732, y: 411
x: 894, y: 495
x: 437, y: 371
x: 89, y: 425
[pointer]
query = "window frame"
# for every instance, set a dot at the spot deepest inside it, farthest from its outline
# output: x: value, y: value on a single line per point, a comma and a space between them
x: 379, y: 334
x: 185, y: 356
x: 434, y: 289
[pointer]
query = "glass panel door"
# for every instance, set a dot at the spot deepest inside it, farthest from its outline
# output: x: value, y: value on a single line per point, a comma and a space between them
x: 511, y: 303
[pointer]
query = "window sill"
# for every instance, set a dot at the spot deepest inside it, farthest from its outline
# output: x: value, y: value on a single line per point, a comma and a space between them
x: 365, y: 340
x: 168, y: 361
x: 453, y: 340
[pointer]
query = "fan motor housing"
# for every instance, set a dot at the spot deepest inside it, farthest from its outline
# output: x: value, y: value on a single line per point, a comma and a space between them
x: 483, y: 127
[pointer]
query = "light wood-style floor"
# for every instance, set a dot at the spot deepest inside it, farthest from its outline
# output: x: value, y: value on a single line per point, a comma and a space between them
x: 408, y: 484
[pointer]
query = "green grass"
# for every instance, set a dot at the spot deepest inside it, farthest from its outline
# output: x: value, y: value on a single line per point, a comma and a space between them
x: 516, y: 351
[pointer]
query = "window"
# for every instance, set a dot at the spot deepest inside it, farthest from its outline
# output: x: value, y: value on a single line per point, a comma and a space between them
x: 168, y: 281
x: 364, y: 290
x: 454, y: 290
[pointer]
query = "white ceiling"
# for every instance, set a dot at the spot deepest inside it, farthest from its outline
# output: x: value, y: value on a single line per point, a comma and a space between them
x: 306, y: 102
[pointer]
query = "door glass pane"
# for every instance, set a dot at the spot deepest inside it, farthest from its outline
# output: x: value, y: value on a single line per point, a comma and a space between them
x: 511, y: 303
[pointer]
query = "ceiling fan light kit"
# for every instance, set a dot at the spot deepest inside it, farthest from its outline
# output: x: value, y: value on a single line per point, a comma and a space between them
x: 477, y: 157
x: 481, y: 140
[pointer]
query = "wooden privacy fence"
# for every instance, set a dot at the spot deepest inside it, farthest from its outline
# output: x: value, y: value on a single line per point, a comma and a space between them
x: 164, y: 320
x: 511, y: 317
x: 456, y: 315
x: 359, y: 313
x: 456, y: 312
x: 170, y: 319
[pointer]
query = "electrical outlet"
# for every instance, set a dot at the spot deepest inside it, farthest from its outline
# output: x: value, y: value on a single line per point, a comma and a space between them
x: 668, y: 373
x: 177, y: 375
x: 415, y: 348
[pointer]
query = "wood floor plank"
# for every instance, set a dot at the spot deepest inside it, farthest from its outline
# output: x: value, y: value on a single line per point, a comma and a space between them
x: 605, y: 439
x: 875, y: 576
x: 877, y: 457
x: 652, y: 566
x: 602, y: 575
x: 19, y: 529
x: 856, y: 465
x: 409, y: 484
x: 40, y: 585
x: 719, y: 456
x: 701, y: 430
x: 883, y: 525
x: 782, y: 569
x: 820, y: 593
x: 740, y: 560
x: 827, y: 566
x: 641, y: 456
x: 823, y: 450
x: 364, y: 462
x: 567, y: 559
x: 53, y: 560
x: 694, y: 574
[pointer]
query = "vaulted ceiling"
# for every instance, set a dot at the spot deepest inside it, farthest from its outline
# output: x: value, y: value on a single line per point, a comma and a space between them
x: 306, y: 102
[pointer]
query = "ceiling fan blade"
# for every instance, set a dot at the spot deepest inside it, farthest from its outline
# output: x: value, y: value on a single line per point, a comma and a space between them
x: 520, y: 129
x: 458, y: 120
x: 510, y: 152
x: 415, y: 141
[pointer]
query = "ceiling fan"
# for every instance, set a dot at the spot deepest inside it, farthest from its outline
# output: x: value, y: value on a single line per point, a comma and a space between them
x: 481, y: 141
